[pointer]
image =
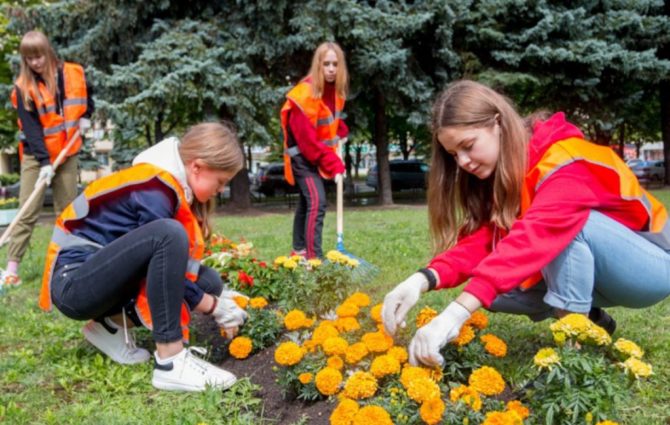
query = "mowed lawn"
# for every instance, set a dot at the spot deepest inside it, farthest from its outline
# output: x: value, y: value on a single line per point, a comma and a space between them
x: 49, y: 374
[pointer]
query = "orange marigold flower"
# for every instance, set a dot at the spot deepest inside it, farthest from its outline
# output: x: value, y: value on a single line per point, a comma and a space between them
x: 467, y: 395
x: 347, y: 324
x: 328, y: 381
x: 372, y: 415
x: 356, y: 352
x: 324, y: 331
x: 607, y: 423
x: 377, y: 342
x: 289, y: 353
x: 412, y: 373
x: 502, y: 418
x: 344, y: 412
x: 425, y: 316
x: 519, y: 408
x: 258, y: 302
x: 241, y: 301
x: 464, y: 337
x: 305, y: 378
x: 478, y: 320
x: 376, y: 313
x: 347, y: 309
x: 335, y: 345
x: 296, y: 319
x: 431, y: 411
x: 486, y: 380
x: 423, y: 389
x: 335, y: 362
x: 359, y: 298
x: 399, y: 353
x: 384, y: 365
x: 240, y: 347
x: 360, y: 385
x: 494, y: 345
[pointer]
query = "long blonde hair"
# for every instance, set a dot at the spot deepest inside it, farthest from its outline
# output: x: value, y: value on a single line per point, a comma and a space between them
x: 35, y: 43
x: 458, y: 202
x: 217, y: 146
x: 316, y: 70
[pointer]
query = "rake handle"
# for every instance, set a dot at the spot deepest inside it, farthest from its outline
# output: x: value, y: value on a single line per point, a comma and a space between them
x: 39, y: 186
x: 340, y: 203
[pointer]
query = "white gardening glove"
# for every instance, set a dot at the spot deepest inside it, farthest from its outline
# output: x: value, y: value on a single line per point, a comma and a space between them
x: 84, y: 124
x: 338, y: 178
x: 46, y: 173
x: 429, y: 339
x: 229, y: 316
x: 230, y: 294
x: 400, y: 300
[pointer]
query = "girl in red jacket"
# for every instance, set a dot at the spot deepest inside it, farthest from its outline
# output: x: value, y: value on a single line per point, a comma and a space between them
x: 541, y: 222
x: 312, y: 124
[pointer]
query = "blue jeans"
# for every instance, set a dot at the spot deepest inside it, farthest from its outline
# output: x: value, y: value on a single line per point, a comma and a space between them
x: 607, y: 264
x: 109, y: 279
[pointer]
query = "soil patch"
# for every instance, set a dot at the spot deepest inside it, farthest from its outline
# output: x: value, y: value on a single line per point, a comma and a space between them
x: 258, y: 368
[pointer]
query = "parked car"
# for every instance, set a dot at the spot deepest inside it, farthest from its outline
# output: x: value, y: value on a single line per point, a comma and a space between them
x: 633, y: 162
x: 405, y: 174
x: 649, y: 171
x: 270, y: 181
x: 12, y: 191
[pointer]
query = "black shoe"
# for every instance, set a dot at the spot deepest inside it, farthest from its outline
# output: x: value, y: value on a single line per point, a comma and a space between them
x: 602, y: 319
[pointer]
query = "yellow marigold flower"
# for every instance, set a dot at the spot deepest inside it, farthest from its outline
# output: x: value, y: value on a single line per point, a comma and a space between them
x: 598, y: 335
x: 412, y: 373
x: 356, y: 352
x: 280, y: 260
x: 372, y: 415
x: 314, y: 262
x: 384, y: 365
x: 360, y: 385
x: 546, y: 358
x: 240, y: 347
x: 637, y: 368
x: 425, y: 316
x: 559, y: 338
x: 328, y: 381
x: 467, y: 395
x: 289, y: 353
x: 502, y: 418
x: 242, y: 302
x: 335, y: 362
x: 347, y: 309
x: 607, y: 423
x: 290, y: 264
x: 431, y: 411
x: 377, y: 342
x: 376, y: 313
x: 628, y: 348
x: 347, y: 324
x: 486, y: 380
x: 297, y: 258
x: 399, y: 353
x: 572, y: 325
x: 359, y: 298
x: 296, y: 319
x: 335, y: 345
x: 334, y: 256
x: 305, y: 378
x: 324, y: 331
x: 519, y: 408
x: 464, y: 337
x: 478, y: 320
x: 258, y: 303
x: 344, y: 412
x: 423, y: 389
x: 494, y: 345
x: 353, y: 263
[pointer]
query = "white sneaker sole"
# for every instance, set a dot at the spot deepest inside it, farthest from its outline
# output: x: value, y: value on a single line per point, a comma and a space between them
x: 170, y: 385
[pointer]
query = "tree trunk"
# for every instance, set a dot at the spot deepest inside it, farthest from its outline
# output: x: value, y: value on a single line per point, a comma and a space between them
x: 664, y: 92
x: 385, y: 195
x: 622, y: 139
x: 249, y: 158
x: 357, y: 163
x: 158, y: 129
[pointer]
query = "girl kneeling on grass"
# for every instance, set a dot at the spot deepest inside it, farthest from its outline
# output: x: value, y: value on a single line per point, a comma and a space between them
x: 128, y: 248
x: 541, y: 221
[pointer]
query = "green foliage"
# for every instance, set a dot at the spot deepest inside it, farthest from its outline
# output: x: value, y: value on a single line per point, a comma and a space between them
x: 9, y: 179
x: 263, y: 327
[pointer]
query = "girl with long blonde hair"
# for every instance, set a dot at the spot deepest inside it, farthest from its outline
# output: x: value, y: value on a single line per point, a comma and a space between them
x: 539, y: 220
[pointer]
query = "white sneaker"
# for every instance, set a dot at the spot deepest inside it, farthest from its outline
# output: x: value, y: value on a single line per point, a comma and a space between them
x: 113, y: 343
x: 187, y: 372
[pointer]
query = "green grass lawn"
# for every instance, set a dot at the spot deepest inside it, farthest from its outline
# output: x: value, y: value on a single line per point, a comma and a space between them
x: 48, y: 374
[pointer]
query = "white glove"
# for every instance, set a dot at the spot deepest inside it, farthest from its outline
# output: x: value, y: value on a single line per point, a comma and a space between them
x: 46, y: 173
x: 400, y: 300
x: 338, y: 178
x: 429, y: 339
x: 230, y: 294
x: 229, y: 316
x: 84, y: 124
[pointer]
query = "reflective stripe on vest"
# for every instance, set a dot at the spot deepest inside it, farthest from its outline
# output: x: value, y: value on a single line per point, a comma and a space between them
x: 57, y: 129
x: 603, y: 161
x: 319, y: 115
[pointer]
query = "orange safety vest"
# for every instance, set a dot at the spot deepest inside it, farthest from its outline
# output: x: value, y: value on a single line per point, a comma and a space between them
x: 602, y: 161
x: 79, y: 209
x: 57, y: 128
x: 319, y: 115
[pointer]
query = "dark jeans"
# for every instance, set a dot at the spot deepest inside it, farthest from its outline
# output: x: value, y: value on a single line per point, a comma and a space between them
x: 109, y: 279
x: 309, y: 215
